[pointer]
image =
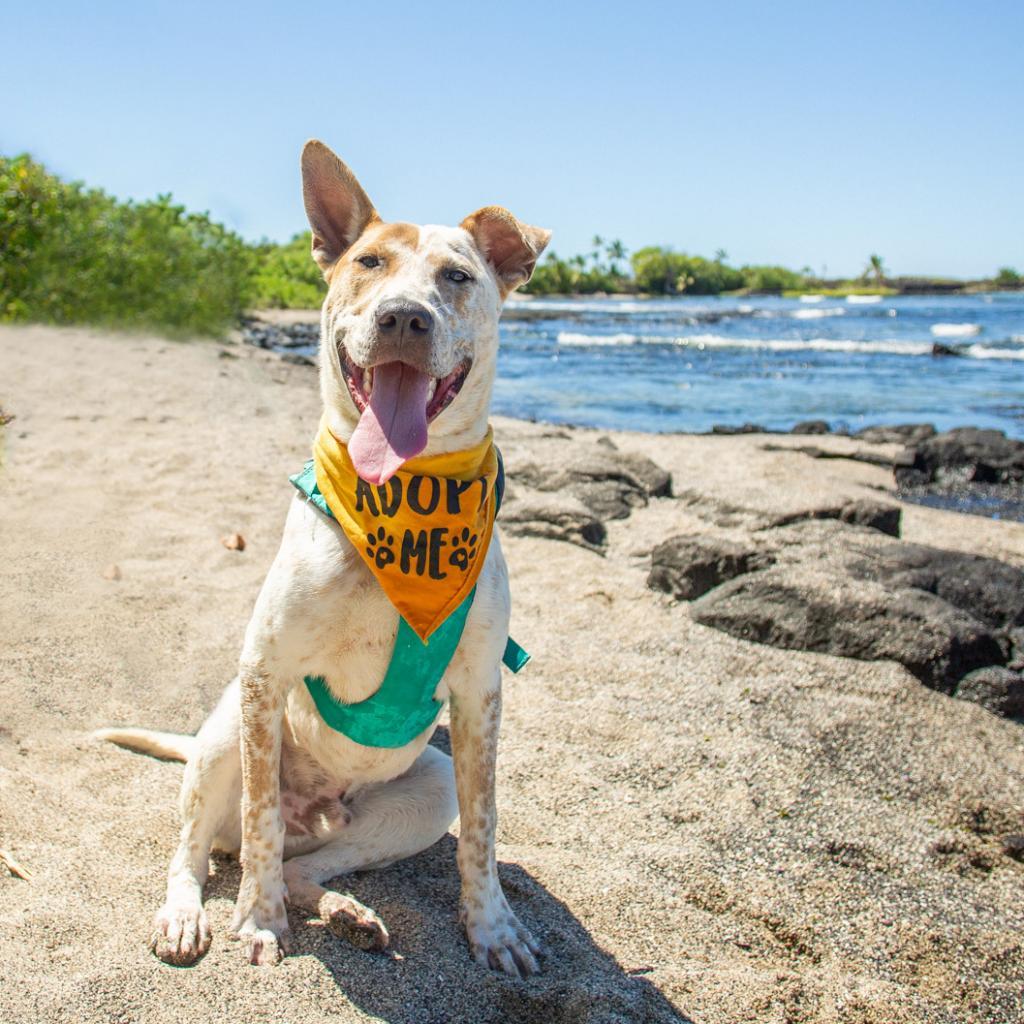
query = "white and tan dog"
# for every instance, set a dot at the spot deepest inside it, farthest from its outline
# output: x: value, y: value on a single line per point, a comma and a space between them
x: 411, y: 313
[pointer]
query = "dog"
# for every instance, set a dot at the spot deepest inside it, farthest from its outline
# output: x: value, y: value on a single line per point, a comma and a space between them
x: 411, y: 310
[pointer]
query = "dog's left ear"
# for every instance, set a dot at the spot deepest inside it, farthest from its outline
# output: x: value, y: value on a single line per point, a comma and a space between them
x: 510, y: 246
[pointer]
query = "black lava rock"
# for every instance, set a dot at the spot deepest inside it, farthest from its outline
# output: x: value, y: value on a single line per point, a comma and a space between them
x: 964, y: 455
x: 989, y: 590
x: 896, y: 433
x: 687, y: 567
x: 797, y: 609
x: 998, y: 689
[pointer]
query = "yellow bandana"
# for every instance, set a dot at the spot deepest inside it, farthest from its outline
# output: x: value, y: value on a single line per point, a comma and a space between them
x: 424, y: 534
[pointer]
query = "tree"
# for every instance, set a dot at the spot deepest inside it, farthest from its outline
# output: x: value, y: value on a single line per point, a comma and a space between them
x: 876, y: 268
x: 721, y: 255
x: 1007, y: 277
x: 615, y: 251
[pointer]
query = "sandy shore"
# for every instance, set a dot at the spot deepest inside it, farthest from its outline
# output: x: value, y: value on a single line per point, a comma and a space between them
x: 699, y: 827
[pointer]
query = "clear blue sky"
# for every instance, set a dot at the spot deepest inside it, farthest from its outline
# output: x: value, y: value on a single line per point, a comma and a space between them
x: 799, y: 133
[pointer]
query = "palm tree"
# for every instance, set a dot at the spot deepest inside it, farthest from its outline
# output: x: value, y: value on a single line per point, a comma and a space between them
x: 615, y: 251
x: 876, y: 266
x: 721, y: 255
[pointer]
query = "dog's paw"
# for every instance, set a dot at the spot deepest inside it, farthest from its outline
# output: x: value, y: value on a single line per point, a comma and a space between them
x: 349, y: 919
x: 181, y: 934
x: 498, y: 940
x: 264, y: 937
x: 264, y: 947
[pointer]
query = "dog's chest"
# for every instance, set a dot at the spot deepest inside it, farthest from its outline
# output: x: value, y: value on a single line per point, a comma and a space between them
x: 322, y: 614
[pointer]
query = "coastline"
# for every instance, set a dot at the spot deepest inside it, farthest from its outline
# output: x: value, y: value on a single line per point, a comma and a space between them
x: 700, y: 826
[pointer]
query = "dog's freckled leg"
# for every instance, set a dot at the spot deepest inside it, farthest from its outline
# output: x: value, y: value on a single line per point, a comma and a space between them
x: 181, y: 933
x: 496, y: 937
x: 260, y: 920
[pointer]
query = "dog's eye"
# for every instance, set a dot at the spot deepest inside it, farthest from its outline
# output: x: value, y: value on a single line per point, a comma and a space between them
x: 458, y: 276
x: 369, y: 261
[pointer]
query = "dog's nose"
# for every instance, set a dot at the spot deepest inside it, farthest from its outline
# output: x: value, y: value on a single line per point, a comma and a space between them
x: 400, y: 316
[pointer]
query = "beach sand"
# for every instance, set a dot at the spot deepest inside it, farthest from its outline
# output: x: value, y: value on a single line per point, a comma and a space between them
x: 699, y: 828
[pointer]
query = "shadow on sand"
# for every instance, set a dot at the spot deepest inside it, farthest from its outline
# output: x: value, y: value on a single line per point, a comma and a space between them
x: 427, y: 975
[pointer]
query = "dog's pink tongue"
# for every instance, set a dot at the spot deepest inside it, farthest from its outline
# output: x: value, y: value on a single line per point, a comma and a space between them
x: 393, y: 427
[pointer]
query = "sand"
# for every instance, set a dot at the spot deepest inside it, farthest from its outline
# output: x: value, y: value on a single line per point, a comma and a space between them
x: 698, y: 827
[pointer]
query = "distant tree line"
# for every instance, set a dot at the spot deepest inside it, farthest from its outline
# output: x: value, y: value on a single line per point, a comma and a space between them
x: 71, y: 254
x: 654, y: 270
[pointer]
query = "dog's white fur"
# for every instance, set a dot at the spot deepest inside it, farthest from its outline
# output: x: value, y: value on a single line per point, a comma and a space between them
x: 314, y: 804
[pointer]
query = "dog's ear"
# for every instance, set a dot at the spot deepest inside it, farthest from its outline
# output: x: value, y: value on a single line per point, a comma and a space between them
x: 510, y: 246
x: 336, y: 205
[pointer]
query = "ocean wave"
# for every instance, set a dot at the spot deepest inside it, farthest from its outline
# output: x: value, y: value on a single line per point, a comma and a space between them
x: 812, y: 298
x: 701, y: 342
x: 987, y: 352
x: 705, y: 341
x: 596, y: 340
x: 863, y: 300
x: 816, y: 314
x: 955, y: 330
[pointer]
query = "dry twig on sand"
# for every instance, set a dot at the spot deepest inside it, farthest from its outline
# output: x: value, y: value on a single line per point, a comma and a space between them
x: 8, y: 860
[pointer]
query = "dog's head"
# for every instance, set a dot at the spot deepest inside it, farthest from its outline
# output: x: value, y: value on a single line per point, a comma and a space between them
x: 409, y: 335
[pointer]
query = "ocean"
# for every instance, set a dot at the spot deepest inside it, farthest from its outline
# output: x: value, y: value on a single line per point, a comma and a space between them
x: 686, y: 364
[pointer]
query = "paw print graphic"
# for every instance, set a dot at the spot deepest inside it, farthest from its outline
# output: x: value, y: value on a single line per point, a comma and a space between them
x: 380, y: 547
x: 463, y: 549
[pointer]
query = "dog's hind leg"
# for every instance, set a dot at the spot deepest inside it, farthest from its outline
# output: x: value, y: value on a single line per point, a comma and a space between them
x: 210, y: 798
x: 390, y: 821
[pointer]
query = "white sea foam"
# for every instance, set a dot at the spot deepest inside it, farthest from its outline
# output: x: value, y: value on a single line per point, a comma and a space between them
x: 987, y: 352
x: 956, y: 330
x: 717, y: 341
x: 816, y: 314
x: 863, y: 300
x: 812, y: 298
x: 571, y: 338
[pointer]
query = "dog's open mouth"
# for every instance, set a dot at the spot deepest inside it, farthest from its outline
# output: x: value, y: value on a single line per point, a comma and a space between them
x: 441, y: 391
x: 395, y: 402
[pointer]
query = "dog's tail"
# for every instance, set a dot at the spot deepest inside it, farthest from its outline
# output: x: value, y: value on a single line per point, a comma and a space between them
x: 168, y: 745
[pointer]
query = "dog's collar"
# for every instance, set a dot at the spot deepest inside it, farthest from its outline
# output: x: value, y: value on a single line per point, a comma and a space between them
x: 403, y: 706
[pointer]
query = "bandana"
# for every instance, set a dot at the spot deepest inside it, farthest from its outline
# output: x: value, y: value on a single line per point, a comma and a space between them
x: 424, y: 533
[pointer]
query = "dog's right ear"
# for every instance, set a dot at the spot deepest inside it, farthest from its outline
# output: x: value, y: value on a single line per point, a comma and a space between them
x: 336, y: 205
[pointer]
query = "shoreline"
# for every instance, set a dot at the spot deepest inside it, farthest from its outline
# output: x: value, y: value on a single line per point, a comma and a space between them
x: 700, y: 825
x: 950, y: 485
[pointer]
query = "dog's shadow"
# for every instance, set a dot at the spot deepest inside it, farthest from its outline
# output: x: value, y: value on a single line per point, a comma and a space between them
x: 427, y: 976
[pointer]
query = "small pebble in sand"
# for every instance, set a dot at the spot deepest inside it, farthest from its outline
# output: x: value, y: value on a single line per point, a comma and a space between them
x: 233, y: 542
x: 112, y: 572
x: 1013, y: 846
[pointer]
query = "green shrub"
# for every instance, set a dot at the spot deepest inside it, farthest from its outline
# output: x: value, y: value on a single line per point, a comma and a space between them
x: 74, y: 255
x: 1007, y: 277
x: 582, y: 275
x: 662, y: 271
x: 286, y: 276
x: 771, y: 279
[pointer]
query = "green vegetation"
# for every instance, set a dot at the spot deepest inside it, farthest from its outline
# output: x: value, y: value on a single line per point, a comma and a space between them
x: 77, y: 255
x: 600, y: 270
x: 656, y: 271
x: 69, y: 254
x: 875, y: 269
x: 286, y: 276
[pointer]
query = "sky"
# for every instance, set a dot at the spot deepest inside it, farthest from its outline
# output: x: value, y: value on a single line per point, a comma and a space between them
x: 795, y: 133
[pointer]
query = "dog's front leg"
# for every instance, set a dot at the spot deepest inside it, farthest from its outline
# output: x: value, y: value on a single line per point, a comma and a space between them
x: 495, y: 935
x: 260, y: 919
